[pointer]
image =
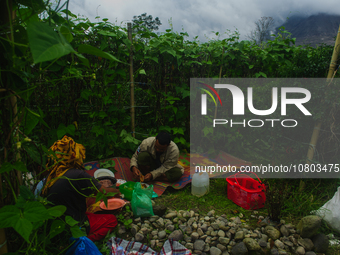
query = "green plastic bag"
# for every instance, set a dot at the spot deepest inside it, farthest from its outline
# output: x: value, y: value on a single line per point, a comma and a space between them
x: 141, y: 201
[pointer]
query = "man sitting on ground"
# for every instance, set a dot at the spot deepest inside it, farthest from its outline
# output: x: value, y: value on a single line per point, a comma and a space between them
x: 156, y: 159
x: 69, y: 185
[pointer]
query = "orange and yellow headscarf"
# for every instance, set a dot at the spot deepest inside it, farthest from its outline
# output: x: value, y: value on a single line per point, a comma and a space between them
x: 69, y: 155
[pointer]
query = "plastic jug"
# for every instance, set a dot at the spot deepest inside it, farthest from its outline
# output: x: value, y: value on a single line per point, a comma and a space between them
x: 200, y: 184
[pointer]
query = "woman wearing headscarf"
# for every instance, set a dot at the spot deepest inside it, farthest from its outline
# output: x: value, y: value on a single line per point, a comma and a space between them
x: 69, y: 185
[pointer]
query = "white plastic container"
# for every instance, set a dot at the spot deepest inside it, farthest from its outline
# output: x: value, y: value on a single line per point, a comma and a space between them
x: 200, y: 184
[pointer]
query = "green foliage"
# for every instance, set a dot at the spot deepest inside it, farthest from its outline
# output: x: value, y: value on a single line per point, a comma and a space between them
x: 68, y: 75
x: 31, y: 219
x: 126, y: 221
x: 144, y: 21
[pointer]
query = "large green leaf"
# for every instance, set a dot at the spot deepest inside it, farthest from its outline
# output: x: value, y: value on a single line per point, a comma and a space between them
x: 57, y: 227
x: 26, y: 193
x: 24, y: 228
x: 31, y: 121
x: 36, y: 5
x: 35, y: 211
x: 66, y: 33
x: 45, y: 43
x: 77, y: 232
x: 88, y: 49
x: 6, y: 167
x: 33, y: 153
x: 20, y: 166
x: 63, y: 130
x: 57, y: 211
x: 69, y: 220
x: 9, y: 215
x: 84, y: 60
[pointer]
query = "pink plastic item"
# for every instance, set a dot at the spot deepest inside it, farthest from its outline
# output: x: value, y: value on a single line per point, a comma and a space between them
x: 112, y: 204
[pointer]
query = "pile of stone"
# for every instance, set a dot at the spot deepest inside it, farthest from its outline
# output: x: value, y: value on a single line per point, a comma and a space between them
x: 212, y: 234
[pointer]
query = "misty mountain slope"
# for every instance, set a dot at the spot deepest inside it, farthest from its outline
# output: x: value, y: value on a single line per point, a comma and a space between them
x: 313, y: 30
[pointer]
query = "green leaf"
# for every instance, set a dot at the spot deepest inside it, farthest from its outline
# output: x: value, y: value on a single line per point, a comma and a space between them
x: 31, y: 121
x: 9, y: 215
x: 142, y: 71
x: 251, y: 66
x: 37, y: 5
x: 70, y: 221
x: 45, y: 43
x: 26, y: 193
x: 100, y: 196
x: 77, y: 232
x: 33, y: 152
x: 177, y: 130
x: 63, y: 130
x: 24, y: 228
x: 6, y: 167
x: 166, y: 128
x: 260, y: 74
x: 56, y: 228
x: 20, y: 166
x: 84, y: 60
x: 152, y: 58
x: 127, y: 42
x: 68, y: 13
x: 88, y: 49
x: 66, y: 33
x: 57, y: 211
x: 107, y: 33
x: 35, y: 211
x: 86, y: 94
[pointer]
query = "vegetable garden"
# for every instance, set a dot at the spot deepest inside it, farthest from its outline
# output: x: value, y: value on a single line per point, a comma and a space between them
x: 63, y: 74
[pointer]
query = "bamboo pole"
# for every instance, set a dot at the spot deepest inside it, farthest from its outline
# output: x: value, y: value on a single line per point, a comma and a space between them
x: 132, y: 85
x: 317, y: 127
x: 219, y: 80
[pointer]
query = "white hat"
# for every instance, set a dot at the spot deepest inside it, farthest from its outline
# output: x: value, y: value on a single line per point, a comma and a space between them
x: 103, y: 172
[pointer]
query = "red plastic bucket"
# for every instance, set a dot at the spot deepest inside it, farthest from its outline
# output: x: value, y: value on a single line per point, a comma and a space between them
x: 245, y: 191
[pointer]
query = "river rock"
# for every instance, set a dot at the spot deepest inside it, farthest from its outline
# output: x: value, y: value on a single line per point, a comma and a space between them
x: 176, y: 235
x: 251, y: 244
x: 309, y: 226
x: 306, y: 243
x: 284, y: 231
x: 215, y: 251
x: 139, y: 237
x: 161, y: 234
x: 239, y: 249
x: 272, y: 232
x: 199, y: 245
x: 170, y: 215
x: 239, y: 235
x: 159, y: 210
x: 321, y: 243
x: 300, y: 250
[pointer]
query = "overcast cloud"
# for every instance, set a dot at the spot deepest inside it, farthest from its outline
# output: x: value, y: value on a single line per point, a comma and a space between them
x: 199, y: 17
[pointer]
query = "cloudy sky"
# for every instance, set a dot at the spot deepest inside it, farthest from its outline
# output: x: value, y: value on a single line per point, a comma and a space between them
x: 200, y: 17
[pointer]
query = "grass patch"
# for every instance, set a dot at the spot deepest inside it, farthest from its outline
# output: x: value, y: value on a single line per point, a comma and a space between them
x: 303, y: 197
x: 216, y: 200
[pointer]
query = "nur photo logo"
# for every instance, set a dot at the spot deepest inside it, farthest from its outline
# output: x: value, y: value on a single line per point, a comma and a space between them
x: 238, y: 104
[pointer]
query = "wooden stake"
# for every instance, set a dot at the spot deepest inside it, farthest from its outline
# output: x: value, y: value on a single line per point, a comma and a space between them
x: 317, y: 127
x: 132, y: 85
x: 219, y: 80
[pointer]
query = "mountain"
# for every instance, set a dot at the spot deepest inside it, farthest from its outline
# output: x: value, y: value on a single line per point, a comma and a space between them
x: 314, y: 30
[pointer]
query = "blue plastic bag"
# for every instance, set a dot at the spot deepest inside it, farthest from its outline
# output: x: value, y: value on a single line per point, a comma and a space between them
x: 83, y: 246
